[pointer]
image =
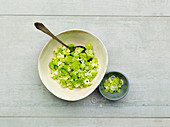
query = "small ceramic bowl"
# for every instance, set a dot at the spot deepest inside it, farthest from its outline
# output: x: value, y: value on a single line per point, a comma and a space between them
x: 115, y: 95
x: 76, y: 37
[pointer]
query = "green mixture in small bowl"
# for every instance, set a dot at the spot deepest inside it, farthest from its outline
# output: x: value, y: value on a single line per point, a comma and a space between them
x: 74, y: 69
x: 113, y: 84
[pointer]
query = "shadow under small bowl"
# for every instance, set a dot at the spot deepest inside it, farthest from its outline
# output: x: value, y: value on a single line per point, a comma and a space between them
x: 115, y: 95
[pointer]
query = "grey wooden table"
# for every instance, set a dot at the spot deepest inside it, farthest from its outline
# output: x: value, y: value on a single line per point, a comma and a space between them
x: 136, y: 34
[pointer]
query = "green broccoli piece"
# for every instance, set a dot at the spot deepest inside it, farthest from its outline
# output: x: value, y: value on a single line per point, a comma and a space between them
x: 68, y: 59
x: 71, y: 45
x: 60, y: 50
x: 94, y: 73
x: 78, y: 50
x: 51, y: 65
x: 75, y: 65
x: 55, y: 62
x: 88, y: 46
x: 89, y: 53
x: 94, y: 62
x: 52, y: 71
x: 55, y: 76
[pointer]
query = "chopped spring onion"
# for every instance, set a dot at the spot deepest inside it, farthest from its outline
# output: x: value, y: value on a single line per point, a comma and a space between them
x: 113, y: 84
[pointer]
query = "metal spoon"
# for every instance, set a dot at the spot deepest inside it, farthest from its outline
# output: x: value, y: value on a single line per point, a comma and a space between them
x: 41, y: 27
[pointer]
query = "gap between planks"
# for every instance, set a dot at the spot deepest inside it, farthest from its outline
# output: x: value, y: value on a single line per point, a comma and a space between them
x: 84, y: 117
x: 135, y: 16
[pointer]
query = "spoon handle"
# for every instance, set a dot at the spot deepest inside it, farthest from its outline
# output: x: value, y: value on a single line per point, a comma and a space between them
x: 41, y: 27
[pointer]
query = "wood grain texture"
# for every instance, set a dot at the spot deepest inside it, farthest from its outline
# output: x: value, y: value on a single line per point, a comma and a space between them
x: 83, y: 122
x: 138, y: 47
x: 86, y: 7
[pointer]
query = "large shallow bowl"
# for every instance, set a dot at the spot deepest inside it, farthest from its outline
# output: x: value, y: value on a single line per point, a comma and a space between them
x: 77, y: 37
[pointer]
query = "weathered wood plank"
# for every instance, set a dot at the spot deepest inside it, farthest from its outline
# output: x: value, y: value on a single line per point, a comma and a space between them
x: 83, y: 122
x: 138, y: 47
x: 86, y: 7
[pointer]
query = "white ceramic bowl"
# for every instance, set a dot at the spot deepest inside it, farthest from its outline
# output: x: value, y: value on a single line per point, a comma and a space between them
x: 76, y: 37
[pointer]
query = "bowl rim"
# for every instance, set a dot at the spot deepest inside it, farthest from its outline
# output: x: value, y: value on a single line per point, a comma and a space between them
x: 123, y: 94
x: 62, y: 32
